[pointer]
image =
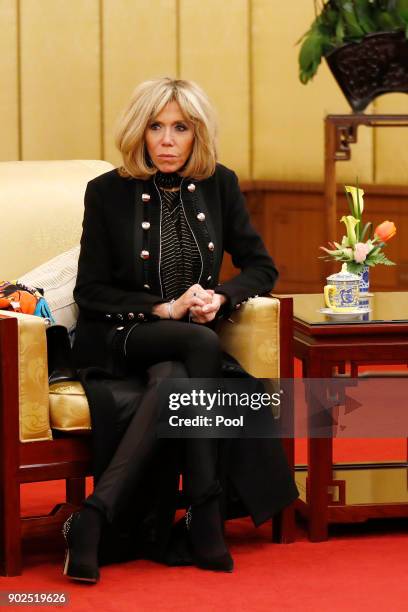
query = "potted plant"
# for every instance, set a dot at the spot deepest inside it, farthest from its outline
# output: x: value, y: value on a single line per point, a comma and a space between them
x: 365, y: 43
x: 360, y: 248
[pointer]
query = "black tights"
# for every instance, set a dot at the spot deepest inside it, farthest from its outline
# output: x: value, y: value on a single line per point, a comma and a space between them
x: 167, y: 349
x: 196, y: 346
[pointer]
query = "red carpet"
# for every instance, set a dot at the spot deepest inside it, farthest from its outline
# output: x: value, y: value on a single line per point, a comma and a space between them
x: 361, y: 568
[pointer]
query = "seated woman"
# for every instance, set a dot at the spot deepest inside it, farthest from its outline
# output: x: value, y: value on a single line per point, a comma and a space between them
x: 154, y: 234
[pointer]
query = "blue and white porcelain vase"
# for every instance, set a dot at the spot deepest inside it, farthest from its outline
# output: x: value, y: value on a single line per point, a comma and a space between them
x: 364, y: 286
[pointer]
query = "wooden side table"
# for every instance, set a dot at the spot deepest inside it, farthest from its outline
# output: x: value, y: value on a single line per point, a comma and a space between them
x: 325, y: 348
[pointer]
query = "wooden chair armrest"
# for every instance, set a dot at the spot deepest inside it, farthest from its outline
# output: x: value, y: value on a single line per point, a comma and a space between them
x: 24, y: 336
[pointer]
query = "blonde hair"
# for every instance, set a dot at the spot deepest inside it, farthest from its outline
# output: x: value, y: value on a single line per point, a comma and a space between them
x: 147, y: 101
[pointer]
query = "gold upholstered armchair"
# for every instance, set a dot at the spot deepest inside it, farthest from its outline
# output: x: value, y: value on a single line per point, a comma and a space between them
x: 42, y: 208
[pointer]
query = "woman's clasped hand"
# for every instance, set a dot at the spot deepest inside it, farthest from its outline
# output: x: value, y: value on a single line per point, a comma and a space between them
x: 200, y: 304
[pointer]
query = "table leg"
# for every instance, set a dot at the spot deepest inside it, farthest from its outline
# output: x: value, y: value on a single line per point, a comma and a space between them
x: 320, y: 461
x: 319, y: 476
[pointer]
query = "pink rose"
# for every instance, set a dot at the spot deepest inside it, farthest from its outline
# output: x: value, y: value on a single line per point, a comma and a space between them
x: 361, y: 250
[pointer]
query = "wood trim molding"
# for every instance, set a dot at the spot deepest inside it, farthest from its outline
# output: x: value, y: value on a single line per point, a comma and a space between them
x: 318, y: 188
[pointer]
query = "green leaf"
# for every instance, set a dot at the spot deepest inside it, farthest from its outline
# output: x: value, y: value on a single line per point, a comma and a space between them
x: 387, y: 22
x: 359, y: 211
x: 365, y: 230
x: 401, y: 10
x: 349, y: 202
x: 380, y: 244
x: 374, y: 251
x: 310, y: 55
x: 386, y: 262
x: 364, y: 15
x: 352, y: 26
x: 378, y: 258
x: 302, y: 37
x: 354, y: 267
x: 330, y: 17
x: 340, y: 31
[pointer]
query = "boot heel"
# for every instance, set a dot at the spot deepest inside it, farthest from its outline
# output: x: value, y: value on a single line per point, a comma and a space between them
x: 66, y: 562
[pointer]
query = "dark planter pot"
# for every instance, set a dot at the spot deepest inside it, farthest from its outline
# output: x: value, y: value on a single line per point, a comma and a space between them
x: 376, y: 65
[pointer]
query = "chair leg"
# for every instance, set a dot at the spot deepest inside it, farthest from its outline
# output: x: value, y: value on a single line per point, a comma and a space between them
x: 283, y: 526
x: 10, y: 521
x: 10, y: 528
x: 75, y: 490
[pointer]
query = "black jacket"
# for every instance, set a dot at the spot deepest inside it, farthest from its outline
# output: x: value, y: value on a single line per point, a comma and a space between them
x: 116, y: 287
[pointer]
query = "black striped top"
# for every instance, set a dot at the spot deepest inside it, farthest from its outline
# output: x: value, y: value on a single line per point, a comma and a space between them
x: 180, y: 264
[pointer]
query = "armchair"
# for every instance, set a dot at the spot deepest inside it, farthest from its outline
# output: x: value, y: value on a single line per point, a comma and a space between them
x: 43, y: 203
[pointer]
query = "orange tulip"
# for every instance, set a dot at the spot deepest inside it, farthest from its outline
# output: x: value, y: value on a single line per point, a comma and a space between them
x: 385, y: 230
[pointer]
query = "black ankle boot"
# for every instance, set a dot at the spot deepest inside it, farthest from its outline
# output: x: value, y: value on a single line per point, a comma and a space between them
x: 205, y: 526
x: 178, y: 551
x: 81, y: 532
x: 59, y: 353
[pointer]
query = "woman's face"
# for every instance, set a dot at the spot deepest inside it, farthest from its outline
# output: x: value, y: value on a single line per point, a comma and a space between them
x: 169, y: 138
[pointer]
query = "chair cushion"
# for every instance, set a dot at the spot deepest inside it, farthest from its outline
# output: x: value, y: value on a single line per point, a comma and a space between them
x: 69, y: 409
x: 57, y: 277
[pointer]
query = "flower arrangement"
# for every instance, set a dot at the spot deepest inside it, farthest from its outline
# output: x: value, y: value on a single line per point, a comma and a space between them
x: 355, y: 249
